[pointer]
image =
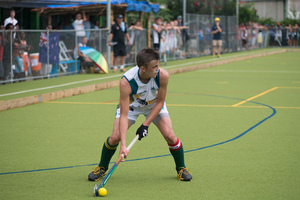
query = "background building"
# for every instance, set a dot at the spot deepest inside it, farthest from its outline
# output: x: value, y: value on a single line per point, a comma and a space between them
x: 276, y: 9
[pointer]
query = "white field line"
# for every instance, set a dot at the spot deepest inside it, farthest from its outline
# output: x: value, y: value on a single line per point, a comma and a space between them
x: 108, y: 77
x: 56, y: 86
x: 247, y: 71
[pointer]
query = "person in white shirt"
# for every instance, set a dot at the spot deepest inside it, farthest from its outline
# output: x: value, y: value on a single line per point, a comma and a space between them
x: 11, y: 19
x: 79, y: 27
x: 156, y: 33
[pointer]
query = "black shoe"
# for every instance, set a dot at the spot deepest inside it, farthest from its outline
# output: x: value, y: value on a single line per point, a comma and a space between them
x: 184, y: 174
x: 97, y: 173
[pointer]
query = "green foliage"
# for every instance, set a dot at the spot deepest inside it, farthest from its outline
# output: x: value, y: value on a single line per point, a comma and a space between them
x: 247, y: 13
x: 165, y: 14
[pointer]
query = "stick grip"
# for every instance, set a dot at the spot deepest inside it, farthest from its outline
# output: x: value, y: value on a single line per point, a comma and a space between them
x: 131, y: 143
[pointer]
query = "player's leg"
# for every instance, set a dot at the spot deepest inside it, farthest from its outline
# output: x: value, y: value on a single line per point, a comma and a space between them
x: 164, y: 124
x: 108, y: 150
x: 110, y: 145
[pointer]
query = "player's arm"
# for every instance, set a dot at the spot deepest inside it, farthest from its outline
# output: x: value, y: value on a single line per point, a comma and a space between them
x: 157, y: 29
x: 128, y: 38
x: 125, y: 91
x: 161, y: 96
x: 219, y: 29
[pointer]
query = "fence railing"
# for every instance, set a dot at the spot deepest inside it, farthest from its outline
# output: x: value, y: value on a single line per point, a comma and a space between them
x: 27, y: 54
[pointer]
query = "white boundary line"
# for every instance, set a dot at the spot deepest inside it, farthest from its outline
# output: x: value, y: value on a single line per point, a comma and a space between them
x: 95, y: 79
x: 247, y: 71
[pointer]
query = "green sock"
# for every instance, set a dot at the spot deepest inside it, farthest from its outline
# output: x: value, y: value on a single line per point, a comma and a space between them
x: 107, y: 153
x: 178, y: 156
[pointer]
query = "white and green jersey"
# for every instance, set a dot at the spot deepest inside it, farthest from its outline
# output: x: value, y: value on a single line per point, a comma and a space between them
x: 144, y: 95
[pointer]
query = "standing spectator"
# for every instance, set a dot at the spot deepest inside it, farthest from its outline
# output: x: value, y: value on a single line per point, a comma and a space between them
x: 201, y: 41
x: 184, y: 33
x: 193, y: 42
x: 157, y: 28
x: 135, y: 33
x: 11, y: 19
x: 296, y: 35
x: 216, y: 30
x: 289, y: 34
x: 272, y: 35
x: 20, y: 46
x: 1, y: 50
x: 117, y: 35
x: 278, y: 34
x: 45, y: 67
x: 244, y: 35
x: 78, y: 26
x: 7, y: 59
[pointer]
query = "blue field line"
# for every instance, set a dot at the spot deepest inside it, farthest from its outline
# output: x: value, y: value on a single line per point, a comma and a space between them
x: 159, y: 156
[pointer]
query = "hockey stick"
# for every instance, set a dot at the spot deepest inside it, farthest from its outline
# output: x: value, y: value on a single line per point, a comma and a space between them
x: 109, y: 173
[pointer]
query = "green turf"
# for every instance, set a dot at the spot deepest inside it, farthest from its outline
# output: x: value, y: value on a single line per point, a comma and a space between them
x: 262, y: 164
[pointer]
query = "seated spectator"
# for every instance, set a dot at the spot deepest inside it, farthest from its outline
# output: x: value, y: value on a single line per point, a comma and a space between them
x: 85, y: 61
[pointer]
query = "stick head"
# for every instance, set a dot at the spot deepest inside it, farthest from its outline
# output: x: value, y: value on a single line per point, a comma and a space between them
x: 96, y: 190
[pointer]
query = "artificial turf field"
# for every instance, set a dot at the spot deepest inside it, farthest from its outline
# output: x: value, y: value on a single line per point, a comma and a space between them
x: 238, y: 122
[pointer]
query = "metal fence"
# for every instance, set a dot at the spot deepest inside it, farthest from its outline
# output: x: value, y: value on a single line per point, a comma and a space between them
x: 19, y: 64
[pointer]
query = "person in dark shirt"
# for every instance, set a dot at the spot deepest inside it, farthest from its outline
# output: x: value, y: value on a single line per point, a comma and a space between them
x: 117, y: 36
x: 216, y: 30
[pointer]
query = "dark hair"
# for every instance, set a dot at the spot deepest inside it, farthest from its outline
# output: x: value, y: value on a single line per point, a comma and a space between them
x: 7, y: 25
x: 145, y: 56
x: 12, y: 10
x: 157, y: 18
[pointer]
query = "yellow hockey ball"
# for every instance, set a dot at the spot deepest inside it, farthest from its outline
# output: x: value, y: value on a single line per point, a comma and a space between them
x: 102, y: 192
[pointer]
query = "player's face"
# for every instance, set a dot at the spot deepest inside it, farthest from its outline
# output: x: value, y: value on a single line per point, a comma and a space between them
x: 152, y: 69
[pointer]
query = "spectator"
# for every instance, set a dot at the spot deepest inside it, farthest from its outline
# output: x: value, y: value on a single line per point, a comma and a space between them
x: 7, y: 59
x: 207, y: 37
x: 20, y: 46
x: 278, y: 34
x: 272, y: 35
x: 289, y: 35
x: 1, y: 50
x: 85, y: 61
x: 157, y: 28
x: 296, y: 35
x: 135, y: 34
x: 216, y: 30
x: 193, y: 37
x: 201, y: 41
x: 46, y: 68
x: 11, y: 19
x: 244, y: 35
x: 184, y: 33
x: 79, y: 27
x: 87, y: 25
x: 117, y: 35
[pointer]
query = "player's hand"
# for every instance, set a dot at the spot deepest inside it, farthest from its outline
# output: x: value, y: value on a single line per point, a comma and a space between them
x: 109, y: 43
x: 142, y: 131
x: 123, y: 151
